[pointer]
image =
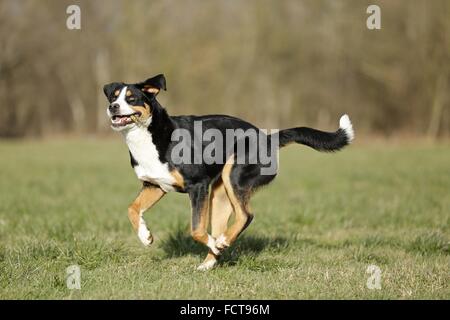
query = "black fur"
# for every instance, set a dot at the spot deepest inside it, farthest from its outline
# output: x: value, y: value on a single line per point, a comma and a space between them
x: 161, y: 129
x: 316, y: 139
x: 158, y: 81
x: 245, y: 178
x: 133, y: 161
x: 198, y: 194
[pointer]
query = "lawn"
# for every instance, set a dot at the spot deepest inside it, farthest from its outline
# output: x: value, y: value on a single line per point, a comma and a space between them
x: 317, y: 228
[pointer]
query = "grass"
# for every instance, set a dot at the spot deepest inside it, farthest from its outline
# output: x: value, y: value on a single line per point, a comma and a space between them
x: 317, y: 228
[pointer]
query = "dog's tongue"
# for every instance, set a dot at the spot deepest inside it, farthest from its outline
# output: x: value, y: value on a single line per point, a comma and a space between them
x: 124, y: 120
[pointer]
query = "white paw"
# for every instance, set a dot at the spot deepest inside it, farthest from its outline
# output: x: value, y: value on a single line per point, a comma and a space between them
x: 212, y: 245
x: 221, y: 242
x: 207, y: 265
x: 145, y: 235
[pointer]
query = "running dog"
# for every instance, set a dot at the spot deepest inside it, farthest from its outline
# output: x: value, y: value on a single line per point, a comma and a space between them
x: 216, y: 188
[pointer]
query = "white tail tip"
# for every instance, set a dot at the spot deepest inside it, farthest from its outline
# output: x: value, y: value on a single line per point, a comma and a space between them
x: 346, y: 125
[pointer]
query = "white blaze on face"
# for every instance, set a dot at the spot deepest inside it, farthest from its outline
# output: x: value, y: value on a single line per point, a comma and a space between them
x: 122, y: 119
x: 124, y: 107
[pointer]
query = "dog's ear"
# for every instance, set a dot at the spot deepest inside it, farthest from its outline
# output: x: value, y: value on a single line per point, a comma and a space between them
x: 109, y: 88
x: 153, y: 85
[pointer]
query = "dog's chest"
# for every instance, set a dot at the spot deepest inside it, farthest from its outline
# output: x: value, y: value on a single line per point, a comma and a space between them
x: 149, y: 167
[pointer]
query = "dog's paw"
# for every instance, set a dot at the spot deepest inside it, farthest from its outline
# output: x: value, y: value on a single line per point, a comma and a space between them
x: 147, y: 241
x: 207, y: 265
x: 212, y: 245
x: 222, y: 243
x: 145, y: 236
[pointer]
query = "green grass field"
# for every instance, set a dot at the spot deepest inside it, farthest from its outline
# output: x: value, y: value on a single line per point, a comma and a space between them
x: 317, y: 228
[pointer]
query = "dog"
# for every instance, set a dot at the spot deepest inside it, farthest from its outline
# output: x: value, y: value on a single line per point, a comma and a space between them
x: 216, y: 189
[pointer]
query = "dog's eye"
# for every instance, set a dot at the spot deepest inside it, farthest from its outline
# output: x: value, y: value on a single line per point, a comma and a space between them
x: 131, y: 98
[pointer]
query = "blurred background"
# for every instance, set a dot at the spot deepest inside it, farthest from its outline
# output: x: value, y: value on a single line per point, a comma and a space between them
x: 66, y: 180
x: 275, y: 63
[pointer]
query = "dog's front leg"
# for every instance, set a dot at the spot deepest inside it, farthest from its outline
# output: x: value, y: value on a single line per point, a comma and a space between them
x: 199, y: 195
x: 149, y: 195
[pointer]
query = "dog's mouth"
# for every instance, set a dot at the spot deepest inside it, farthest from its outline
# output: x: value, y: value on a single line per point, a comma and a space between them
x: 123, y: 120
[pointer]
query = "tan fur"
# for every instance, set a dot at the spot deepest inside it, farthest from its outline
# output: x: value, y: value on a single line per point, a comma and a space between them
x: 210, y: 256
x: 241, y: 210
x: 221, y: 209
x: 144, y: 110
x: 148, y: 196
x: 220, y: 212
x: 200, y: 233
x: 179, y: 181
x: 151, y: 89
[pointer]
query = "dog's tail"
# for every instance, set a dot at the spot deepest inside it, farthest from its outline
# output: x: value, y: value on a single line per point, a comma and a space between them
x: 320, y: 140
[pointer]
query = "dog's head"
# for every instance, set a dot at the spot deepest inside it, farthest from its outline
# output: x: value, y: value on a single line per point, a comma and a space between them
x: 132, y: 104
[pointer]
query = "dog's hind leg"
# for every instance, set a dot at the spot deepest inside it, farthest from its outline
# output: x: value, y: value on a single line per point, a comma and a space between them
x: 148, y: 196
x: 199, y: 195
x: 220, y: 212
x: 239, y: 196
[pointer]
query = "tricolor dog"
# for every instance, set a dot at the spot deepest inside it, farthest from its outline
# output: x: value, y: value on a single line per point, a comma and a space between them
x: 216, y: 188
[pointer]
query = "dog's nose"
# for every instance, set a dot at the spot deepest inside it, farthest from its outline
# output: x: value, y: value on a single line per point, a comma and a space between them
x: 114, y: 107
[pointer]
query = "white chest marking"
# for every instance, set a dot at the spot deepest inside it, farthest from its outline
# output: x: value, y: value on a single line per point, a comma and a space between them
x: 149, y: 167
